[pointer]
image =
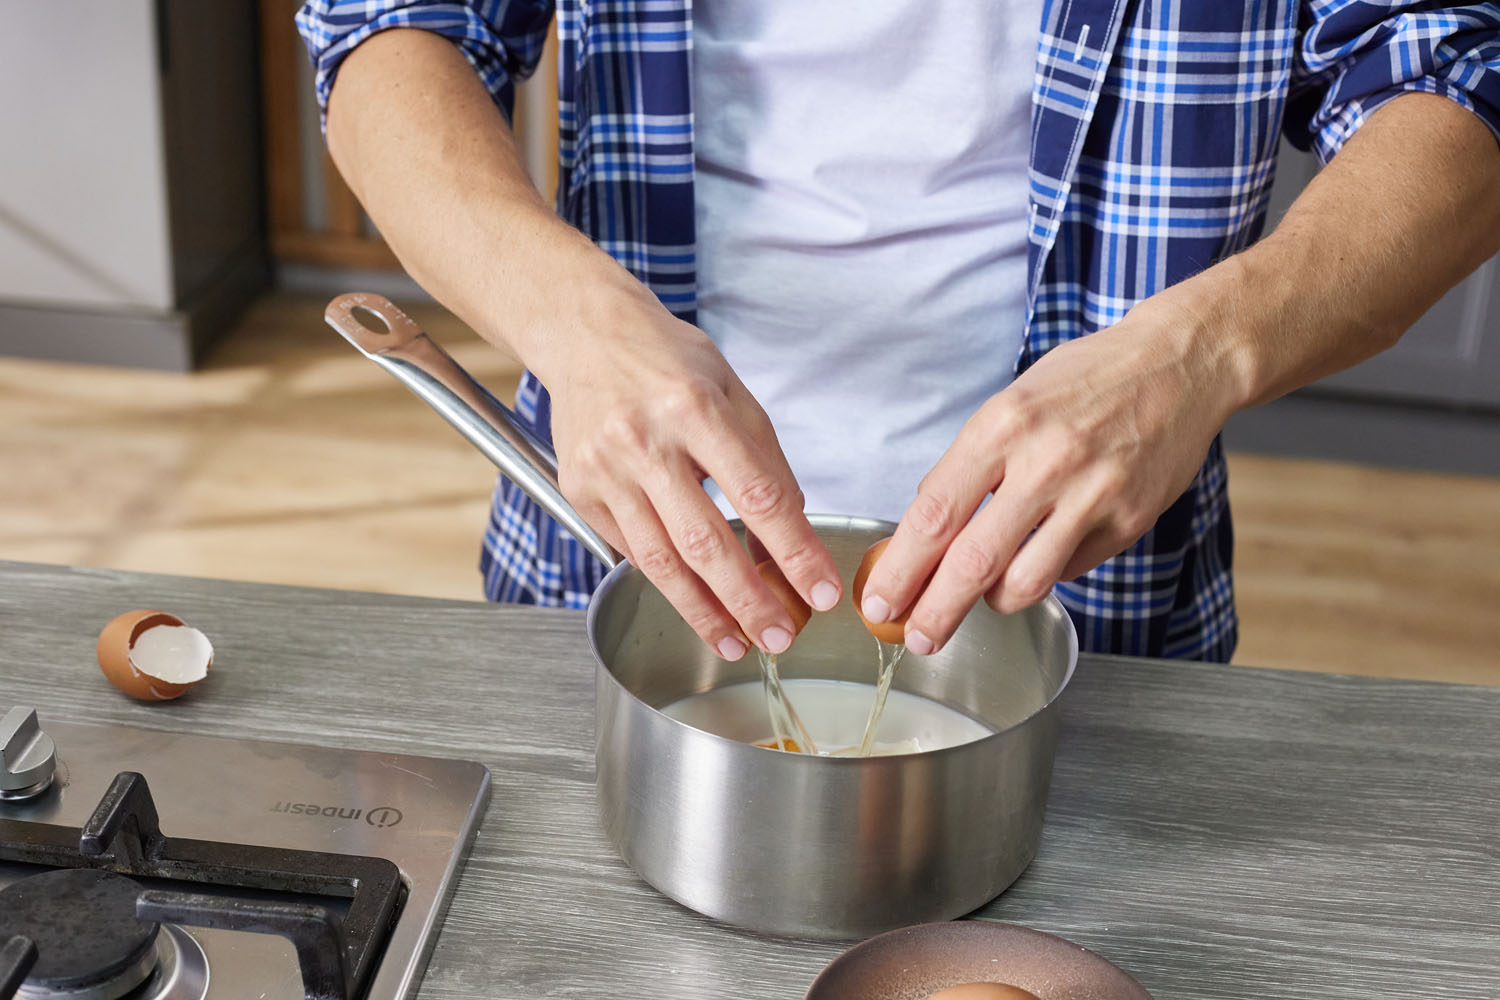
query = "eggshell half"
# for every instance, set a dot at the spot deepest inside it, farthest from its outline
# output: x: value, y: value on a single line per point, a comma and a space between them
x: 892, y: 631
x: 795, y: 606
x: 113, y: 650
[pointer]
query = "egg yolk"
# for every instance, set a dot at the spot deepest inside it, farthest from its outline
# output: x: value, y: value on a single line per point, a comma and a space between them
x: 792, y: 745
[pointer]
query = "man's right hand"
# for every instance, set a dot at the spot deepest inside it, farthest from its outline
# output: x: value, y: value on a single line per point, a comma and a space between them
x: 644, y: 412
x: 644, y: 407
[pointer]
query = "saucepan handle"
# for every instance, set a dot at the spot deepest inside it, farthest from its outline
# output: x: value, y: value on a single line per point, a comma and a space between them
x: 392, y: 339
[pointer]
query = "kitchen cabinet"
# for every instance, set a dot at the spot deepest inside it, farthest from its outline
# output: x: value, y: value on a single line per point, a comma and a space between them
x: 130, y: 206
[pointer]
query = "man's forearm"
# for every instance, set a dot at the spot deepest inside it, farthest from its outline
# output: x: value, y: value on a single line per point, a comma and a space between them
x: 433, y: 161
x: 644, y: 406
x: 1083, y: 452
x: 1408, y: 208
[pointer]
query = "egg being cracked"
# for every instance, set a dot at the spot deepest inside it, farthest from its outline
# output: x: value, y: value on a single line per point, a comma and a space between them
x: 983, y: 991
x: 893, y: 630
x: 796, y: 607
x: 152, y: 655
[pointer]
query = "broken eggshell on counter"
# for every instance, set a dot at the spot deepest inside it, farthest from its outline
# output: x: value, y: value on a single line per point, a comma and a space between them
x: 153, y: 655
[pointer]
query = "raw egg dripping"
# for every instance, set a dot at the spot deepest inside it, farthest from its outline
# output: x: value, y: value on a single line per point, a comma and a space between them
x: 890, y: 642
x: 790, y: 733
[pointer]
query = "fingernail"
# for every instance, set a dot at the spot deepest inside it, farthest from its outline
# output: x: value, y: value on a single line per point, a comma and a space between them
x: 875, y: 609
x: 825, y: 595
x: 776, y: 639
x: 730, y: 648
x: 918, y: 643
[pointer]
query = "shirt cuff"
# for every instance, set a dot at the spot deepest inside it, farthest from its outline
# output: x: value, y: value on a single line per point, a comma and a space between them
x: 484, y: 49
x: 1354, y: 113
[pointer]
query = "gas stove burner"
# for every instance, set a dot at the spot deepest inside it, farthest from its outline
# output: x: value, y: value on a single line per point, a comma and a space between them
x: 307, y: 845
x: 90, y: 943
x: 181, y: 968
x: 96, y: 931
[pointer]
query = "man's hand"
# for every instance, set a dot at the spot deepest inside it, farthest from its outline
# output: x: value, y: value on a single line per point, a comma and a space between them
x: 641, y: 416
x: 1095, y: 440
x: 1081, y: 454
x: 644, y: 406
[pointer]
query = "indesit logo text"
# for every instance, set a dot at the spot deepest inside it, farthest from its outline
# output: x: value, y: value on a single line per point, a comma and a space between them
x: 380, y: 817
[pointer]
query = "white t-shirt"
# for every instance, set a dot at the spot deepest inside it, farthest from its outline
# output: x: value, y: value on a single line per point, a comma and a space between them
x: 861, y: 186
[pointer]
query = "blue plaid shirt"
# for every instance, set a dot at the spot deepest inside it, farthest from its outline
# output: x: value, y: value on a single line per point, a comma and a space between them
x: 1154, y: 136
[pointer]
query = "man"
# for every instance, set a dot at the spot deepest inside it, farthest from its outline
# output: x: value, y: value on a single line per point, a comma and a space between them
x: 989, y: 267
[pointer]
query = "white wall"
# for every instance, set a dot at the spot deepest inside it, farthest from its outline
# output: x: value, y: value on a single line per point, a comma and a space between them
x: 83, y: 213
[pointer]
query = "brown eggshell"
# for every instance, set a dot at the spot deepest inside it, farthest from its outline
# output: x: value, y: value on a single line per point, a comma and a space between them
x: 795, y: 606
x: 893, y: 631
x: 113, y: 650
x: 983, y: 991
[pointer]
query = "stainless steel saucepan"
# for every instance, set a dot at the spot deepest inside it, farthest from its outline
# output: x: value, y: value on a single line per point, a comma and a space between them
x: 782, y: 843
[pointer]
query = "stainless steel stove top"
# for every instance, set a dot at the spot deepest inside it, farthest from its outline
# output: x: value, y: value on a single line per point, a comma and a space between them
x: 419, y: 813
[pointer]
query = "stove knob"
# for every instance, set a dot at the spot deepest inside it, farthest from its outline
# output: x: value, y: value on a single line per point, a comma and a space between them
x: 28, y: 757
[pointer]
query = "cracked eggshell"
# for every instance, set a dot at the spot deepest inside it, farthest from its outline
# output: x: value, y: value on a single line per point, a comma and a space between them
x: 894, y: 630
x: 799, y: 609
x: 117, y: 640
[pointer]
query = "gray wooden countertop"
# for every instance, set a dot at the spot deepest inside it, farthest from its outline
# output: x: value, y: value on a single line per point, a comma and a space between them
x: 1219, y: 832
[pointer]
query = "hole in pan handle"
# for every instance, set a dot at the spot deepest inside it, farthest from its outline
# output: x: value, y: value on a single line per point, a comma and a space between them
x: 370, y: 320
x: 420, y: 364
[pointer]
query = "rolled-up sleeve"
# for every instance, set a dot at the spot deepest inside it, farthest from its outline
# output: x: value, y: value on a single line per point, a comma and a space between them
x: 502, y: 39
x: 1355, y: 55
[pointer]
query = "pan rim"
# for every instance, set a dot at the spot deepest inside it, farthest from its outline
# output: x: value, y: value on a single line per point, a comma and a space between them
x: 624, y: 567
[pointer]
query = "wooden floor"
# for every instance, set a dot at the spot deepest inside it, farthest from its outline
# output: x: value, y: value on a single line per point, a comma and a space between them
x: 291, y: 459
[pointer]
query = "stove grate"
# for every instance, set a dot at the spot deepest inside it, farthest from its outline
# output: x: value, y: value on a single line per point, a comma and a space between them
x: 123, y: 835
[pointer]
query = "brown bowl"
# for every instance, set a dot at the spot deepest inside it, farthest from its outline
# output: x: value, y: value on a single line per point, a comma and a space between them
x: 913, y: 963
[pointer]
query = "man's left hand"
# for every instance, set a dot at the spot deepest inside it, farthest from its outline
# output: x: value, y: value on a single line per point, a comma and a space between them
x: 1095, y: 440
x: 1081, y: 454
